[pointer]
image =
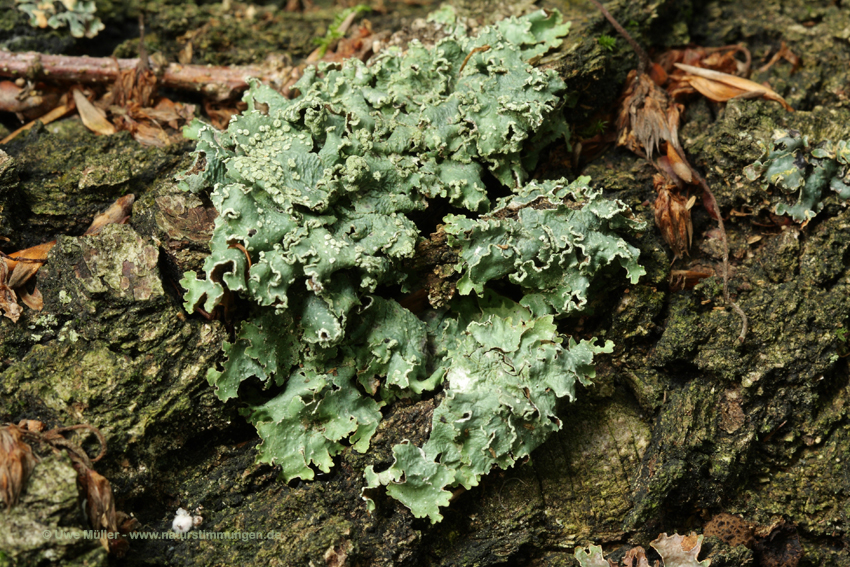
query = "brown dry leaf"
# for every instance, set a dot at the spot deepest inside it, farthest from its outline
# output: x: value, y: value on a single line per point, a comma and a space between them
x: 672, y: 216
x: 17, y: 268
x: 643, y: 120
x: 166, y: 112
x: 8, y: 299
x: 26, y: 101
x: 149, y: 135
x: 32, y: 425
x: 716, y: 58
x: 721, y: 87
x: 687, y: 279
x: 92, y: 116
x: 134, y: 86
x: 32, y: 299
x: 23, y: 264
x: 184, y: 56
x: 16, y: 464
x: 100, y: 505
x: 64, y: 108
x: 783, y: 53
x: 220, y: 113
x: 680, y: 166
x: 117, y: 213
x: 359, y: 45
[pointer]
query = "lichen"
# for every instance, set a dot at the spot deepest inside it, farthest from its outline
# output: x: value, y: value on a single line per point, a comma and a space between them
x: 317, y: 198
x: 78, y: 15
x: 795, y: 167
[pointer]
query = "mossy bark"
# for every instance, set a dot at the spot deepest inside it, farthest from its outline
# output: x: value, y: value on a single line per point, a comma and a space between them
x: 683, y: 421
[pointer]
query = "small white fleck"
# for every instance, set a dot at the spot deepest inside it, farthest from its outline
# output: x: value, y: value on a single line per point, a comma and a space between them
x: 183, y: 522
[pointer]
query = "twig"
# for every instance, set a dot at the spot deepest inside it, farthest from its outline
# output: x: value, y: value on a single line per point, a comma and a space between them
x: 471, y: 53
x: 643, y: 58
x: 743, y: 334
x: 51, y: 116
x: 144, y: 63
x: 219, y: 83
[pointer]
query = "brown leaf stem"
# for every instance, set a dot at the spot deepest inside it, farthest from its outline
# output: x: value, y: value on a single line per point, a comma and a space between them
x: 737, y: 308
x: 643, y: 58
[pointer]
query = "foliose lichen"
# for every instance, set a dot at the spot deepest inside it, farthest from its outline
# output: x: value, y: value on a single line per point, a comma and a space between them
x: 794, y: 166
x: 78, y: 15
x: 315, y: 198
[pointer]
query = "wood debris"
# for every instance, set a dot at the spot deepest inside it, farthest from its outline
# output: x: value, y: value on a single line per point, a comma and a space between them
x: 722, y: 87
x: 131, y: 102
x: 648, y: 123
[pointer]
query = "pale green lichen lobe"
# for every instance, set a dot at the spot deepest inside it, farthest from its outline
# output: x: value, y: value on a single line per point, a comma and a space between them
x: 795, y: 167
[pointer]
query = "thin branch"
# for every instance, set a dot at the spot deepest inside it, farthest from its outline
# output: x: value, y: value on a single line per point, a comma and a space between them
x: 471, y: 53
x: 219, y: 83
x: 100, y: 438
x: 743, y: 334
x: 643, y: 58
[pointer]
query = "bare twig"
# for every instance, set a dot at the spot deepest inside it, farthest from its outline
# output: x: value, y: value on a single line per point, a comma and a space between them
x: 643, y: 58
x: 51, y: 116
x: 471, y: 53
x: 743, y: 334
x: 219, y: 83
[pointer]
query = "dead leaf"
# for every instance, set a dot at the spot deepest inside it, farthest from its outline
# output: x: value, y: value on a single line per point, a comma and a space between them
x: 679, y: 165
x: 220, y: 113
x: 18, y: 268
x: 23, y: 264
x: 92, y: 116
x: 151, y: 135
x: 783, y: 53
x: 8, y: 299
x: 721, y: 87
x: 686, y: 279
x: 135, y: 86
x: 54, y: 114
x: 32, y: 299
x: 643, y: 120
x: 184, y: 56
x: 27, y: 101
x: 672, y: 216
x: 117, y: 213
x: 16, y: 464
x: 100, y: 504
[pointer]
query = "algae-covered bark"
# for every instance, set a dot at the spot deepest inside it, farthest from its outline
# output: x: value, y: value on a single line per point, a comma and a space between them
x: 684, y: 422
x: 63, y: 175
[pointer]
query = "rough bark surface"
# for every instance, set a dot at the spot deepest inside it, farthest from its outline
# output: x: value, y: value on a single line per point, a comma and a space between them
x: 684, y: 422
